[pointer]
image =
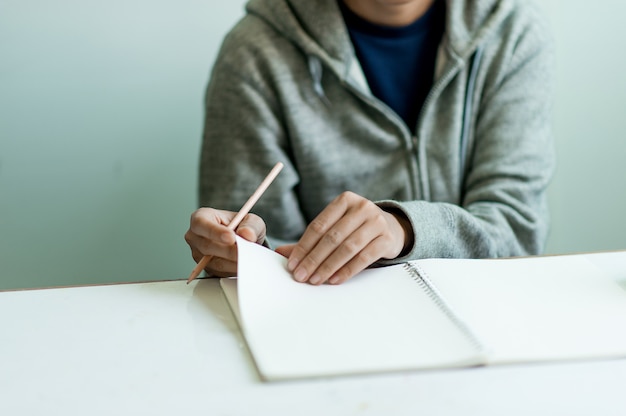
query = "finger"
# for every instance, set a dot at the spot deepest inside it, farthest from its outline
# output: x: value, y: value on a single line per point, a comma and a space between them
x: 358, y: 263
x: 212, y: 224
x: 207, y: 246
x: 386, y: 239
x: 196, y: 255
x: 218, y: 266
x: 201, y: 247
x: 285, y: 250
x: 315, y: 266
x: 352, y: 247
x: 252, y: 228
x: 221, y: 267
x: 319, y: 227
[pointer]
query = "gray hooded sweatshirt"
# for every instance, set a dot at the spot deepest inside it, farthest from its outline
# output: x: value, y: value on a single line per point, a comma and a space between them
x: 471, y: 177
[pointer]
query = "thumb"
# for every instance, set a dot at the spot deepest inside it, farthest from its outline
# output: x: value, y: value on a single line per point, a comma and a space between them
x: 252, y: 228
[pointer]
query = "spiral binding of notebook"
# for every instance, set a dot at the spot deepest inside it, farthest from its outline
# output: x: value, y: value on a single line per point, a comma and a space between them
x: 421, y: 277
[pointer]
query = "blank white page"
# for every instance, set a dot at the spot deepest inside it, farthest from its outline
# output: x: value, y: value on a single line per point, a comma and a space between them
x: 535, y: 309
x: 380, y: 320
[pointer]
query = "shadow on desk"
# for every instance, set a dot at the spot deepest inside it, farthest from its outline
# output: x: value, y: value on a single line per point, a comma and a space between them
x: 209, y: 297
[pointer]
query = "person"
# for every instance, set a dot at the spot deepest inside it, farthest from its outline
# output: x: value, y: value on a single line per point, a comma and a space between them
x: 408, y: 129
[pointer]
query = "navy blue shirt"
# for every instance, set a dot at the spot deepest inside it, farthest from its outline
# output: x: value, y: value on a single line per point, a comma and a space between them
x: 398, y: 62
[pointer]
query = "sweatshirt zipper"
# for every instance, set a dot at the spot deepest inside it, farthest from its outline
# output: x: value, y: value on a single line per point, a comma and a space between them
x: 419, y: 180
x: 409, y: 139
x: 421, y: 164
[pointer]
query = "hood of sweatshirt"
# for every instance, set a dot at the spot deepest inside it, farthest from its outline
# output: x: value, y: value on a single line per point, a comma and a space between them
x: 306, y: 23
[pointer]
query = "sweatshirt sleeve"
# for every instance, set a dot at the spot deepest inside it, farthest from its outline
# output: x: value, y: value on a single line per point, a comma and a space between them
x: 243, y: 139
x: 503, y: 211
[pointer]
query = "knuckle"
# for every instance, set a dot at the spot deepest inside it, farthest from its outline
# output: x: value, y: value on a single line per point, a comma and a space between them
x: 202, y: 222
x: 367, y: 206
x: 345, y: 198
x: 194, y: 216
x: 318, y: 226
x: 380, y: 221
x: 365, y: 258
x: 333, y: 237
x: 325, y: 270
x: 350, y: 247
x: 312, y: 262
x: 199, y: 215
x: 309, y: 263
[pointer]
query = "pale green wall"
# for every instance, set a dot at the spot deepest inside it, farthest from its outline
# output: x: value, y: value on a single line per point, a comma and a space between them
x: 100, y: 123
x: 588, y: 195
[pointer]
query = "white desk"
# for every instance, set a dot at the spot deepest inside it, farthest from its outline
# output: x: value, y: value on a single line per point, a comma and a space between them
x: 170, y: 349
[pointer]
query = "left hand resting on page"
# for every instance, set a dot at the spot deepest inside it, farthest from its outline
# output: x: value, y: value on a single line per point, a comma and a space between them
x: 350, y: 234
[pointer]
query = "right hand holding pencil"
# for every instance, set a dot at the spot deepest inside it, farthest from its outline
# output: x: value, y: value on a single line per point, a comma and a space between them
x: 208, y: 235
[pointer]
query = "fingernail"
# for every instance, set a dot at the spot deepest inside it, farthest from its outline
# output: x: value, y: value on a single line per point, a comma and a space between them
x: 333, y: 280
x: 315, y: 280
x: 300, y: 275
x: 292, y: 264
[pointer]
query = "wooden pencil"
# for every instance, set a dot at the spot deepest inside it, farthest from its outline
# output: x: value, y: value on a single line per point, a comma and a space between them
x: 245, y: 209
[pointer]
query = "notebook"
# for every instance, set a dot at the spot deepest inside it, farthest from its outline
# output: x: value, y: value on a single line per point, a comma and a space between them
x: 425, y: 314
